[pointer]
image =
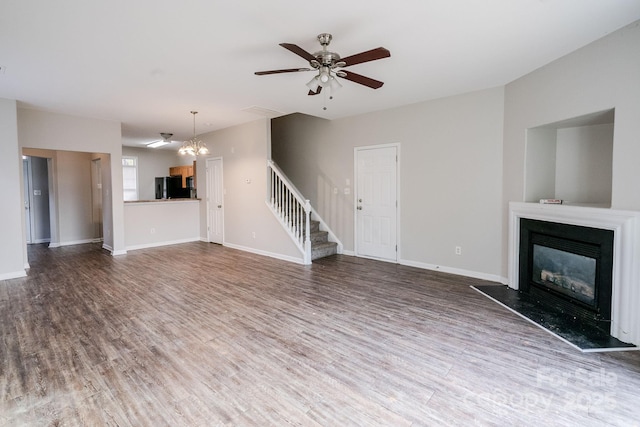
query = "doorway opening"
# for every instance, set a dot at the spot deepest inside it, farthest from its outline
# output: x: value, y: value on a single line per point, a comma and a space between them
x: 36, y: 199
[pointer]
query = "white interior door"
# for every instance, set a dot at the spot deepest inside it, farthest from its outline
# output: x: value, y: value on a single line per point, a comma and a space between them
x: 376, y: 202
x: 26, y: 171
x: 215, y: 210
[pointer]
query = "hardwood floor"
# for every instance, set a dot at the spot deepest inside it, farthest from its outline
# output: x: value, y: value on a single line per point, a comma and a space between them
x: 199, y: 334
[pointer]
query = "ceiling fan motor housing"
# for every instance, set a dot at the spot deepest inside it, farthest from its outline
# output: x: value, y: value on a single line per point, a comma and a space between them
x: 324, y: 57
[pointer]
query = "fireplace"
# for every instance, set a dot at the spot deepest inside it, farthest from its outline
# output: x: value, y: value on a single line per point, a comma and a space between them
x: 625, y: 271
x: 568, y: 268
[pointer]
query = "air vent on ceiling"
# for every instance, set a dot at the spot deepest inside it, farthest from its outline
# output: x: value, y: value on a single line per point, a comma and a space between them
x: 261, y: 111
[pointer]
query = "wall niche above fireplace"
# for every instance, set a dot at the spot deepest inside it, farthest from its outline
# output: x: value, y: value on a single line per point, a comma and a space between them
x: 571, y: 160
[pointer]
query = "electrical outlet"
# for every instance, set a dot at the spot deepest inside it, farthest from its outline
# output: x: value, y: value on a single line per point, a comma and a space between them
x: 458, y: 250
x: 253, y: 234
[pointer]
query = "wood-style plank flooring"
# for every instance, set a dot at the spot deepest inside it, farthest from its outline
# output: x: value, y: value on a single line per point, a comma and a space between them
x: 201, y: 335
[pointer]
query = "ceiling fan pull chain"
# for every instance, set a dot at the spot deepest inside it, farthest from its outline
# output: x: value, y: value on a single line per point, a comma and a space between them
x: 325, y: 100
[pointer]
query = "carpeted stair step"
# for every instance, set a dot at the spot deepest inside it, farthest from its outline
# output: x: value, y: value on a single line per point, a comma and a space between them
x: 315, y: 226
x: 321, y: 250
x: 320, y: 244
x: 319, y: 237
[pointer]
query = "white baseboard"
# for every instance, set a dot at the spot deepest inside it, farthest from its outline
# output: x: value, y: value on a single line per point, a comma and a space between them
x: 74, y: 242
x: 348, y: 253
x: 451, y: 270
x: 265, y: 253
x: 158, y: 244
x: 38, y: 241
x: 13, y: 275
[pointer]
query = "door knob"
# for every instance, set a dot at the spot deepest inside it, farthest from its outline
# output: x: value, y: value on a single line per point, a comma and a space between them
x: 359, y: 208
x: 219, y: 206
x: 359, y: 200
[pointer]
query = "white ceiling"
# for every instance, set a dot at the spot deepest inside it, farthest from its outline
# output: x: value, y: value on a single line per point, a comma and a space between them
x: 148, y: 63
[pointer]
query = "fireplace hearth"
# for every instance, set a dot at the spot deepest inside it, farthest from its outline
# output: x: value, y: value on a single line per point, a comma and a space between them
x: 625, y: 273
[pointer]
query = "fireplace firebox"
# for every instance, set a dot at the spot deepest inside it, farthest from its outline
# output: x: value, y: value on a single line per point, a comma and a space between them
x: 568, y: 268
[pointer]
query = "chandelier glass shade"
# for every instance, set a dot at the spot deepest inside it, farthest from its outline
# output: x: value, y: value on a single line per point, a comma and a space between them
x: 194, y: 146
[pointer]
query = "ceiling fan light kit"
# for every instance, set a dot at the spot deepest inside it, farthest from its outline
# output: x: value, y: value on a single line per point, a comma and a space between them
x: 194, y: 147
x: 327, y: 64
x: 166, y: 139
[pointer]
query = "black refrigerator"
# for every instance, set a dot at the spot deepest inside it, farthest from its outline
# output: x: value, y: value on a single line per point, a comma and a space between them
x: 170, y: 187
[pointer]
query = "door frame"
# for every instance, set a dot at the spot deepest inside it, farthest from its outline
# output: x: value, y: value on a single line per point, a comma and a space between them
x: 28, y: 193
x: 96, y: 198
x: 356, y: 150
x: 208, y: 194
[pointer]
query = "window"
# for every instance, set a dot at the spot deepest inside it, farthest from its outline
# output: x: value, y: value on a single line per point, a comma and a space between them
x: 130, y: 177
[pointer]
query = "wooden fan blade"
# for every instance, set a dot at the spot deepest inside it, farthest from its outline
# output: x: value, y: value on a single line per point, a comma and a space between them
x: 366, y: 81
x: 298, y: 51
x: 286, y: 70
x: 370, y: 55
x: 316, y: 92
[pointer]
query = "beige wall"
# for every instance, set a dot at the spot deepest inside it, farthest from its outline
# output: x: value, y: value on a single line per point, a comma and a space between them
x: 12, y: 260
x: 50, y: 131
x: 244, y: 152
x: 598, y: 77
x: 149, y: 224
x: 450, y: 175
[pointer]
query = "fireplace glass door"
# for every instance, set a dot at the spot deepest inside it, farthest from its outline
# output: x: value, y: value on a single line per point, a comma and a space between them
x: 568, y: 273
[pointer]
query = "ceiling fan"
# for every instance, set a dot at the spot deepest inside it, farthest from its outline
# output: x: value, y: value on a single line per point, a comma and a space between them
x: 166, y: 139
x: 329, y: 64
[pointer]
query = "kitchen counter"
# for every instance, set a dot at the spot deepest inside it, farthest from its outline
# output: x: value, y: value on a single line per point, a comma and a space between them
x: 159, y: 222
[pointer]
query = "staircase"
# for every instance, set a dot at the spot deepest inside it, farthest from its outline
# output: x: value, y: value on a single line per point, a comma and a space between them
x: 320, y: 245
x: 308, y: 231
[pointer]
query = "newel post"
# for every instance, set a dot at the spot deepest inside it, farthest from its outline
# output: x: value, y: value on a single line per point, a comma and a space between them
x: 307, y: 232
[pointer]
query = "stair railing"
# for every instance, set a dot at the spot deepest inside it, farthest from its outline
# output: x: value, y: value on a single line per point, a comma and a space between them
x: 291, y: 208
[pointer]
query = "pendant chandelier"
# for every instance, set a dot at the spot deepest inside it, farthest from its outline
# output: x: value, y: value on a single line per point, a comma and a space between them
x: 194, y: 146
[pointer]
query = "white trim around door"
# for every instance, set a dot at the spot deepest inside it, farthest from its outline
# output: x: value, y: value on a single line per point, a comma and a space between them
x: 215, y: 201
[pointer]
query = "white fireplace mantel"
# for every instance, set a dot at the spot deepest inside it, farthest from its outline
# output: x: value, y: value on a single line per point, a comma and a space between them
x: 625, y: 303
